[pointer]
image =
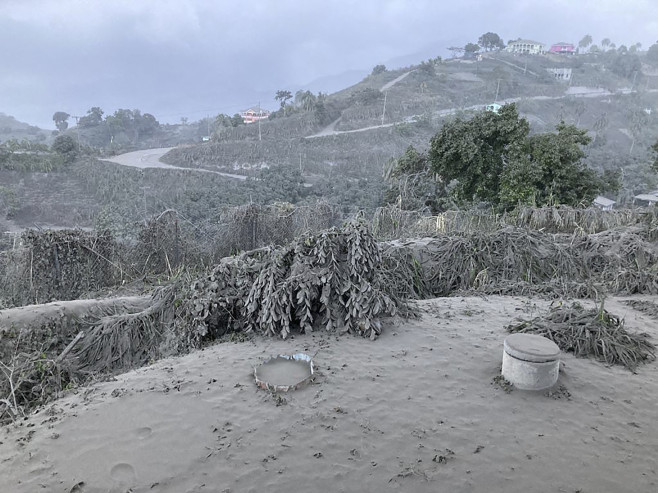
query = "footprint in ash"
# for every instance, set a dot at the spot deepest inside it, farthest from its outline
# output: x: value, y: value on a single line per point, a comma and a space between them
x: 143, y: 433
x: 123, y: 474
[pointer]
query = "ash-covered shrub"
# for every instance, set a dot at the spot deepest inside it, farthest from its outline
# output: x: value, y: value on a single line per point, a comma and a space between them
x: 331, y: 280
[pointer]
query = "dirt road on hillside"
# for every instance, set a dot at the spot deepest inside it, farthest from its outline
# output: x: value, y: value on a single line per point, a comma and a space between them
x: 150, y: 158
x: 574, y: 92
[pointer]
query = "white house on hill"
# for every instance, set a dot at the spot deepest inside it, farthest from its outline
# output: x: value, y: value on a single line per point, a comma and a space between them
x: 525, y: 46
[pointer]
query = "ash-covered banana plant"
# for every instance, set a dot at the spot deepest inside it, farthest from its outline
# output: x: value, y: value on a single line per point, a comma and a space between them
x: 331, y: 280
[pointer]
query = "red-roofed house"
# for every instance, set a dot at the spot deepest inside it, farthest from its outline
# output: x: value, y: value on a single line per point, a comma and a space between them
x: 254, y: 114
x: 567, y: 48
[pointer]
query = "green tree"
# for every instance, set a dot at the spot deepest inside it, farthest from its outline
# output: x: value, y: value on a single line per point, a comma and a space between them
x: 548, y: 169
x: 470, y: 153
x: 60, y: 118
x: 585, y: 42
x: 492, y: 158
x: 605, y: 42
x: 491, y: 41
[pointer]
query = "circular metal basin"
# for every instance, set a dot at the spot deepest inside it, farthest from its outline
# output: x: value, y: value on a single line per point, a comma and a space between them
x: 285, y: 372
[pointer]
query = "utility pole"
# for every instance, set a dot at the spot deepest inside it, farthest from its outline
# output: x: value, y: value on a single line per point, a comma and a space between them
x: 77, y: 129
x: 259, y: 115
x: 634, y: 77
x: 208, y: 120
x: 497, y: 89
x: 144, y: 188
x: 384, y: 112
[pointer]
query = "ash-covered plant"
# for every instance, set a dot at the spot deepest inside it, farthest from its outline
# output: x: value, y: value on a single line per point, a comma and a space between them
x: 331, y: 280
x: 593, y: 333
x: 62, y: 265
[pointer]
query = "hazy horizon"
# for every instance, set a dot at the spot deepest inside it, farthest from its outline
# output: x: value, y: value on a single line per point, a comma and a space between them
x: 189, y: 58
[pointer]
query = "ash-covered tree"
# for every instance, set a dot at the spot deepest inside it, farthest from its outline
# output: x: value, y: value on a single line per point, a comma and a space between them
x: 585, y: 42
x: 654, y: 150
x: 624, y: 64
x: 283, y: 97
x: 491, y: 41
x: 652, y: 54
x: 365, y: 97
x: 66, y: 147
x: 237, y: 120
x: 307, y: 100
x: 60, y: 118
x: 93, y: 118
x: 412, y: 185
x: 427, y: 68
x: 378, y: 69
x: 471, y: 48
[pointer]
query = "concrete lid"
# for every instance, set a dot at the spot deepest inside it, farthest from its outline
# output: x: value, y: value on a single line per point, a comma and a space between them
x: 530, y: 347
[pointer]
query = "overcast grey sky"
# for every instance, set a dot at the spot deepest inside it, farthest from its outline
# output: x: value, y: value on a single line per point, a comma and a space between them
x: 190, y: 58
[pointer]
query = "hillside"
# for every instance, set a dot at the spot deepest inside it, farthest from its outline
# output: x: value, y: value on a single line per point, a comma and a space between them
x: 335, y: 147
x: 10, y: 128
x: 369, y: 126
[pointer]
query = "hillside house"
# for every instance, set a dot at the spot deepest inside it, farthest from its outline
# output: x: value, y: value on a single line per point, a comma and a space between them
x: 603, y: 203
x: 646, y: 199
x: 566, y: 48
x: 525, y: 46
x: 254, y: 114
x: 493, y: 107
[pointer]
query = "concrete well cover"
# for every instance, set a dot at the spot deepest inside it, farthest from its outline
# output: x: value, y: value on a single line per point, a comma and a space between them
x: 530, y: 347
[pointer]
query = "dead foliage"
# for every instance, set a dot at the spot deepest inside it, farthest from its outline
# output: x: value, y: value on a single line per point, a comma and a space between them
x: 592, y: 333
x: 520, y: 261
x: 253, y: 226
x: 392, y: 222
x: 64, y: 264
x: 159, y: 247
x: 645, y: 306
x: 332, y: 280
x: 565, y: 219
x: 128, y: 340
x: 29, y: 379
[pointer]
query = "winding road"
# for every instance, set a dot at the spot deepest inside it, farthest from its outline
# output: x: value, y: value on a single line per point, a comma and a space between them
x: 573, y: 92
x: 150, y: 158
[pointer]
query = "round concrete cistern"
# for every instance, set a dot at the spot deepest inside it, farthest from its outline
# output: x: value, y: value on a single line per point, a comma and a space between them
x: 531, y: 362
